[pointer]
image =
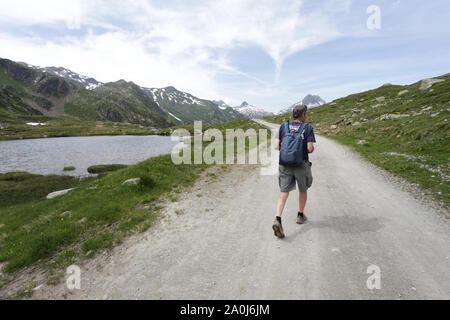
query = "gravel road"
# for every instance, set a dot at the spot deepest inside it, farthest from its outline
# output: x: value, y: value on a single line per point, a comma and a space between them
x: 216, y: 242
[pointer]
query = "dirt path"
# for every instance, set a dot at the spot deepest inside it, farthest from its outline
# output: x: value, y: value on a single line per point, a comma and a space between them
x: 217, y: 243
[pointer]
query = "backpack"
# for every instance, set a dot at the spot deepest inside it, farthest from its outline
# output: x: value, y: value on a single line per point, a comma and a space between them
x: 292, y: 145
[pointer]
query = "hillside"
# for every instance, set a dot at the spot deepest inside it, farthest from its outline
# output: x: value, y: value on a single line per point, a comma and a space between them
x: 184, y: 108
x: 29, y: 90
x: 403, y: 129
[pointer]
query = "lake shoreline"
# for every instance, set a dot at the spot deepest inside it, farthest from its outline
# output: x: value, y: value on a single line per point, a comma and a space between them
x: 50, y: 156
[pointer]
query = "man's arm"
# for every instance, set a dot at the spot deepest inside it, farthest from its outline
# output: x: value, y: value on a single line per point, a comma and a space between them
x: 310, y: 147
x: 277, y: 144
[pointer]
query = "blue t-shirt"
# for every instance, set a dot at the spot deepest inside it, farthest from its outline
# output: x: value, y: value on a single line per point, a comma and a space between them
x: 308, y: 134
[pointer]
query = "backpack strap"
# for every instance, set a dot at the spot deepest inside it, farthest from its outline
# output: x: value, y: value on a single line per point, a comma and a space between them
x: 303, y: 127
x: 286, y: 128
x: 300, y: 131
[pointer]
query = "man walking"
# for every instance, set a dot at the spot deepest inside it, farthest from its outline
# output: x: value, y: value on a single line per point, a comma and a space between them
x: 296, y: 140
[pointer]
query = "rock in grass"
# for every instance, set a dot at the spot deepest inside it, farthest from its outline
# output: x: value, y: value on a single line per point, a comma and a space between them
x: 403, y: 92
x: 427, y: 83
x: 132, y: 182
x: 1, y: 226
x: 362, y: 142
x: 104, y: 168
x: 66, y: 214
x: 334, y: 127
x: 58, y: 193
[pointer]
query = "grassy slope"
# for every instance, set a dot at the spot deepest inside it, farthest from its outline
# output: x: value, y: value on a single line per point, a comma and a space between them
x: 101, y: 212
x: 22, y: 187
x: 414, y: 146
x: 14, y: 127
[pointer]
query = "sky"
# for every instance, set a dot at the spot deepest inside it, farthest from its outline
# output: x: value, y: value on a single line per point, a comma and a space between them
x: 270, y: 53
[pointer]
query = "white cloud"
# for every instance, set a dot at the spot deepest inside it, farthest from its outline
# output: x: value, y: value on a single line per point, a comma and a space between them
x: 26, y: 12
x: 184, y: 44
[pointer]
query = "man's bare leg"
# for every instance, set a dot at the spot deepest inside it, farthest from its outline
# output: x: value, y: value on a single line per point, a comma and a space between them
x: 281, y: 203
x: 303, y: 200
x: 301, y: 218
x: 277, y: 226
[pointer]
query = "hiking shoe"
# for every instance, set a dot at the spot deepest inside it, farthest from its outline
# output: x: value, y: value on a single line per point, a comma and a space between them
x: 278, y: 229
x: 301, y: 219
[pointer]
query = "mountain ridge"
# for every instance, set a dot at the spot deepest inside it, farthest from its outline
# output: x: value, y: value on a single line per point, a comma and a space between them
x: 58, y: 91
x: 247, y: 110
x: 311, y: 101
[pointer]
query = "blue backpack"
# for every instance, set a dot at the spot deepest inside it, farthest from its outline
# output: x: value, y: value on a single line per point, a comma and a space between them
x: 291, y: 153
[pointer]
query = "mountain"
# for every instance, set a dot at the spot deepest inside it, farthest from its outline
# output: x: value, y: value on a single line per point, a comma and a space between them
x: 311, y: 101
x: 52, y: 91
x: 73, y: 77
x: 252, y: 112
x: 222, y: 105
x: 184, y: 108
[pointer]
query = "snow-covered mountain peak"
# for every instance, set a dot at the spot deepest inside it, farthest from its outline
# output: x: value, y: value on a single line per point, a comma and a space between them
x: 252, y: 112
x: 76, y: 78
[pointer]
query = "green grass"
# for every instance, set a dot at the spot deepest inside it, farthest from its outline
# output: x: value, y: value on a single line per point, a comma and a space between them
x: 71, y: 168
x: 15, y: 127
x: 104, y: 168
x: 415, y: 145
x: 102, y: 211
x: 103, y: 241
x: 21, y: 187
x: 36, y: 230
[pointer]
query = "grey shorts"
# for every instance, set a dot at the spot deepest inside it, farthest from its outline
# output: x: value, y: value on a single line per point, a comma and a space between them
x: 289, y: 176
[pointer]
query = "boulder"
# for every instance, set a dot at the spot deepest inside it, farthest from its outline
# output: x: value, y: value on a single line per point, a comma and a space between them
x: 427, y: 83
x: 58, y: 193
x: 362, y: 142
x: 66, y: 214
x: 132, y: 182
x: 82, y: 220
x: 338, y: 122
x: 380, y: 99
x: 398, y: 116
x: 403, y: 92
x: 393, y: 116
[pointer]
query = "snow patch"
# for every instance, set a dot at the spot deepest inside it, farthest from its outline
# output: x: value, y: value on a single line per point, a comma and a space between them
x: 175, y: 117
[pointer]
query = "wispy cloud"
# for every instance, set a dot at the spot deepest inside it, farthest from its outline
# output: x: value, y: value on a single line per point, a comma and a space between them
x: 160, y: 43
x: 228, y: 49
